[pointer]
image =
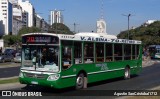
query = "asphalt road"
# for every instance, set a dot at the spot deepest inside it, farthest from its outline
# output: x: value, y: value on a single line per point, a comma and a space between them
x: 8, y: 70
x: 11, y: 69
x: 149, y: 78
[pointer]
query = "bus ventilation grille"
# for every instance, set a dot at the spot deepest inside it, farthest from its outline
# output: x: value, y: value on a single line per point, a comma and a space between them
x: 31, y: 75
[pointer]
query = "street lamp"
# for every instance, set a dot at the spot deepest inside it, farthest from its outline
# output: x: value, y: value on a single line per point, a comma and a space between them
x: 128, y: 22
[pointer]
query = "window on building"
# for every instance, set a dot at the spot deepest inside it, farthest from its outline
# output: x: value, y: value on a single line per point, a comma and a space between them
x: 88, y: 53
x: 4, y: 6
x: 4, y: 13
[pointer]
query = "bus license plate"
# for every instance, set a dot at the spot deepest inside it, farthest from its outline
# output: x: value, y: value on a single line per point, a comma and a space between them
x: 34, y: 82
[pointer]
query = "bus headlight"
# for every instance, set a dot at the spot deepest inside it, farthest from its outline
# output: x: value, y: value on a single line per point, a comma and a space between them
x: 53, y: 77
x: 21, y: 75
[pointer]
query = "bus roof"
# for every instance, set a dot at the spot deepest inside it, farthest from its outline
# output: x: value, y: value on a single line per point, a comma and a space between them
x: 89, y: 36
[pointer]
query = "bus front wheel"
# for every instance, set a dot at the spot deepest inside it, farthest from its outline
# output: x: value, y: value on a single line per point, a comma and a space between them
x: 80, y: 81
x: 127, y: 73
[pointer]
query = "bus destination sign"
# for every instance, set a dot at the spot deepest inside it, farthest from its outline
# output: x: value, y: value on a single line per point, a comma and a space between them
x: 40, y: 39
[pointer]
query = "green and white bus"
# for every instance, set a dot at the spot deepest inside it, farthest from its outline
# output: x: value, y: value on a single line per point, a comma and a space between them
x: 60, y: 61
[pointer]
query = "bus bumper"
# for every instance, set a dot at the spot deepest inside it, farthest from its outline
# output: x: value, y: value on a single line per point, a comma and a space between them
x: 58, y: 84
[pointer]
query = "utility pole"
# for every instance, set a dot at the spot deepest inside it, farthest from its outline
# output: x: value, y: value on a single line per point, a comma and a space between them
x: 129, y: 15
x: 75, y: 25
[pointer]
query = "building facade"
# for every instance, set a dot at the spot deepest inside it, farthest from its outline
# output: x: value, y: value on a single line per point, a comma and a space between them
x: 17, y: 11
x: 5, y: 17
x: 148, y: 22
x: 38, y: 21
x: 20, y: 17
x: 41, y: 23
x: 15, y: 14
x: 17, y: 25
x: 28, y: 8
x: 56, y: 17
x: 25, y: 18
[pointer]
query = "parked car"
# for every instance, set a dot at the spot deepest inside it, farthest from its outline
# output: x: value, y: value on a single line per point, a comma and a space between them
x: 10, y: 51
x: 17, y: 58
x: 6, y: 57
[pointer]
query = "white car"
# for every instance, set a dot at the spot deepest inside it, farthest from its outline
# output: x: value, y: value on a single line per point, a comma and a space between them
x: 17, y: 58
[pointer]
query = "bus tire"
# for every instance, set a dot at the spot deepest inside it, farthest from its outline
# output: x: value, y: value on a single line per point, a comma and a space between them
x: 80, y: 80
x: 127, y: 73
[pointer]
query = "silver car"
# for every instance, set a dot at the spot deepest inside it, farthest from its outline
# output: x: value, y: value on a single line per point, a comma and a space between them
x: 6, y: 57
x: 17, y: 58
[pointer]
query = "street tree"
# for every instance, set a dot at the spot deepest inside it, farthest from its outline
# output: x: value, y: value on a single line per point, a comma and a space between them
x: 11, y: 40
x: 26, y: 30
x: 16, y: 39
x: 148, y: 34
x: 59, y: 28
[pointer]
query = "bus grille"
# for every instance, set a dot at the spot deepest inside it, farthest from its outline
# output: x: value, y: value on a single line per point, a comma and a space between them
x: 39, y: 76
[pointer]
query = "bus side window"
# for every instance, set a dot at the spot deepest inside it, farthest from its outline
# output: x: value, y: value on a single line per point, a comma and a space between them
x: 109, y: 52
x: 117, y: 52
x: 77, y: 52
x: 66, y: 57
x: 99, y: 52
x: 88, y: 53
x: 127, y: 52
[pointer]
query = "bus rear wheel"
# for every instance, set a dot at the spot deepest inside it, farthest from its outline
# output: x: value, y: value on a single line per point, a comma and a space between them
x: 80, y: 81
x: 127, y: 73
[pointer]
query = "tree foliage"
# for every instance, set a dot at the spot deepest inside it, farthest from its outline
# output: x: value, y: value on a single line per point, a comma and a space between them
x: 14, y: 39
x: 148, y: 34
x: 11, y: 39
x: 59, y: 28
x: 26, y: 30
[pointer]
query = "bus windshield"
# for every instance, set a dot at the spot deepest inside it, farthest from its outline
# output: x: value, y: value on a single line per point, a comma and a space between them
x: 40, y: 58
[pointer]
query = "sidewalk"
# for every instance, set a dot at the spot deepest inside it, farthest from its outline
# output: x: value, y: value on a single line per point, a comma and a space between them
x: 6, y: 65
x: 9, y: 78
x: 11, y: 86
x: 148, y: 62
